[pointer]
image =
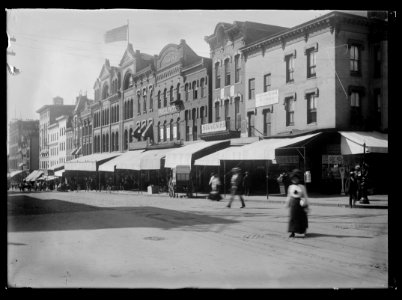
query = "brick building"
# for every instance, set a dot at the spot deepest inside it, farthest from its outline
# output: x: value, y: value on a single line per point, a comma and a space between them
x: 228, y: 86
x: 23, y: 145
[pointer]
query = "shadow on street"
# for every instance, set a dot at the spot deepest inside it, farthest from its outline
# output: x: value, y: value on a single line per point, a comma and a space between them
x: 26, y: 213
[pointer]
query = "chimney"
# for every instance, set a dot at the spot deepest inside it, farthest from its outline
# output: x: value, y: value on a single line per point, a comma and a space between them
x: 57, y: 101
x: 182, y: 41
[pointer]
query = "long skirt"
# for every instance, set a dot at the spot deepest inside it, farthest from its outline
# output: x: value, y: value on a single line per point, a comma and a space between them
x: 298, y: 221
x: 214, y: 195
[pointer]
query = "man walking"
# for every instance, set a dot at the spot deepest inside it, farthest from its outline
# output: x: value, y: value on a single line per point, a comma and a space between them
x: 236, y: 182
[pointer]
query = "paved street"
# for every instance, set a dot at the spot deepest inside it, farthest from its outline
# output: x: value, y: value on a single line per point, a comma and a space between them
x: 130, y: 240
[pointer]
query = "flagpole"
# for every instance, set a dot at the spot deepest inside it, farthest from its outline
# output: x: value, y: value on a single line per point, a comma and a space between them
x: 128, y: 32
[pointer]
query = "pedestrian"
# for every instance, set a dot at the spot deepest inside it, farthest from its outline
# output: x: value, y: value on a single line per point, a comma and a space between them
x: 235, y: 183
x: 171, y: 186
x: 214, y: 183
x: 297, y: 201
x: 246, y: 184
x: 352, y: 188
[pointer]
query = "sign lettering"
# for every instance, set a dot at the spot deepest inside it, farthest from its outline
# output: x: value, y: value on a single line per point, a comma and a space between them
x: 267, y: 98
x: 213, y: 127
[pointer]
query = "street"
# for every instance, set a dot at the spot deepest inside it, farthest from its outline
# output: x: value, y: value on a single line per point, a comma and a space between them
x: 131, y: 240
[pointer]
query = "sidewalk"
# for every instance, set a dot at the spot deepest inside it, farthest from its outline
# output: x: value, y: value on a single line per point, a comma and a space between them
x: 376, y: 201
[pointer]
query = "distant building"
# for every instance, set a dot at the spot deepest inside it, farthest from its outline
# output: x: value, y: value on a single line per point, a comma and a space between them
x: 48, y: 115
x: 23, y: 145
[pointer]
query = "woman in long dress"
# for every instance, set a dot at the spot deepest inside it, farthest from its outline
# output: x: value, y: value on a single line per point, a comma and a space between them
x: 297, y: 201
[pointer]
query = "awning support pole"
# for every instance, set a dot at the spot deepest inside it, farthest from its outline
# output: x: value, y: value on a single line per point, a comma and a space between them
x: 224, y: 179
x: 266, y: 172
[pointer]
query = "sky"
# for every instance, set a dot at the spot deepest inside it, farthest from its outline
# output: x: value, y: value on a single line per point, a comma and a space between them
x: 60, y: 52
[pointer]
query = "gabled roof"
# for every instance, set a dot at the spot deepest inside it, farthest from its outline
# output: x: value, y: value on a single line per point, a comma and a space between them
x: 105, y: 69
x: 129, y: 54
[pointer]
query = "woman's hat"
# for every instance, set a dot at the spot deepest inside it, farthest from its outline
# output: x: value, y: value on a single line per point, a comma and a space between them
x: 295, y: 191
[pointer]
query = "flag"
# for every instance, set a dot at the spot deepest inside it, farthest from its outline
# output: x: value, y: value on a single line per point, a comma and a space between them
x: 13, y: 70
x: 117, y: 34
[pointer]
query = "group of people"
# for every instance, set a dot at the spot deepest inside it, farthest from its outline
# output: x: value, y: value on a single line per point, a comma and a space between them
x: 356, y: 185
x: 238, y: 185
x: 296, y: 201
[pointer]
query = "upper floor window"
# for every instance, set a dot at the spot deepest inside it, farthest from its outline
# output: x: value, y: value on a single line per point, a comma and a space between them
x: 355, y: 59
x: 289, y: 68
x: 159, y: 100
x: 202, y: 84
x: 164, y: 97
x: 195, y: 90
x: 171, y: 94
x: 311, y: 108
x: 186, y: 91
x: 227, y: 72
x: 289, y: 107
x: 217, y: 117
x: 251, y: 88
x: 237, y: 68
x: 267, y: 82
x: 217, y: 76
x: 311, y: 62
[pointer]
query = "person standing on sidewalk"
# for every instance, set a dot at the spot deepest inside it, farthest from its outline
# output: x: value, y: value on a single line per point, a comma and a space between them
x: 214, y: 183
x: 236, y: 182
x: 297, y: 201
x: 246, y: 184
x: 352, y: 188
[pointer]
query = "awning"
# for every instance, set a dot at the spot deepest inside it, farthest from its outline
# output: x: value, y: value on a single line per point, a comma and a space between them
x: 78, y: 152
x: 59, y: 173
x: 15, y: 173
x: 186, y: 155
x: 130, y: 160
x: 352, y: 142
x: 120, y: 160
x: 264, y: 149
x: 151, y: 159
x: 73, y: 152
x: 57, y: 167
x: 148, y: 131
x: 44, y: 151
x: 34, y: 175
x: 88, y: 162
x: 136, y: 132
x: 50, y: 177
x: 215, y: 158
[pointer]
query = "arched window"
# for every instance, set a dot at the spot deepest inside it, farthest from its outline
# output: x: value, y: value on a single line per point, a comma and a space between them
x: 202, y: 83
x: 159, y: 100
x: 125, y: 139
x: 195, y: 90
x: 164, y: 132
x: 202, y: 109
x: 178, y: 128
x: 164, y: 97
x: 107, y: 142
x: 186, y: 91
x: 172, y: 134
x: 112, y: 142
x: 130, y: 135
x: 178, y: 92
x: 151, y: 100
x: 131, y: 114
x: 105, y: 91
x: 128, y: 81
x: 118, y: 113
x: 159, y: 132
x: 171, y: 94
x: 138, y: 104
x: 144, y: 104
x: 116, y: 139
x: 103, y: 143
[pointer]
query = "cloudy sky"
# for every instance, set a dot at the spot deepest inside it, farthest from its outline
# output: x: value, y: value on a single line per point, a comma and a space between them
x: 60, y: 52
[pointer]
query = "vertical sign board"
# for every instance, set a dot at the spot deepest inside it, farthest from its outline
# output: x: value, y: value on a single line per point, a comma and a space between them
x: 267, y: 98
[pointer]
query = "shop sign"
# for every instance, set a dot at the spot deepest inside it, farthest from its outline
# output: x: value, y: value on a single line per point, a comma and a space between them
x: 213, y: 127
x: 168, y: 110
x: 287, y: 160
x: 332, y: 159
x: 267, y: 98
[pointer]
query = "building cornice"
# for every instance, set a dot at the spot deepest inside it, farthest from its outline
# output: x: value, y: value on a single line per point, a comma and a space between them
x: 333, y: 20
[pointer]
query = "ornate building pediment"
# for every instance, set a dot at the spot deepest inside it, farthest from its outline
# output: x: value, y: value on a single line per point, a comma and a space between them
x: 168, y: 56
